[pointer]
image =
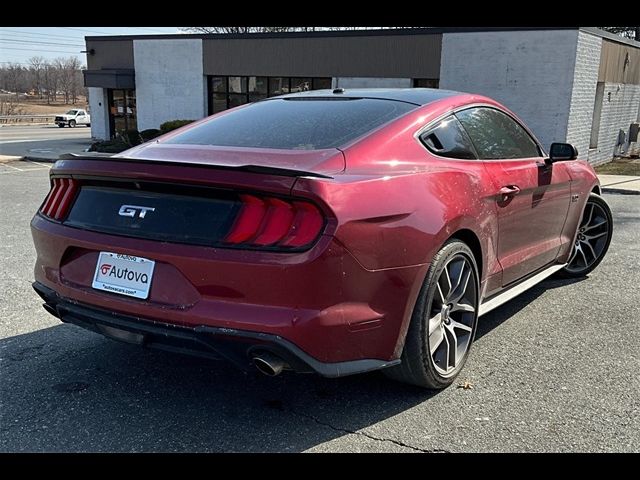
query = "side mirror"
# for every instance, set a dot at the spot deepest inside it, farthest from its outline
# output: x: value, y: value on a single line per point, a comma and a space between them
x: 559, y: 152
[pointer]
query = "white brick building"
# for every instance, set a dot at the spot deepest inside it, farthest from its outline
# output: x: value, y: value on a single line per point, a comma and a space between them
x: 580, y: 85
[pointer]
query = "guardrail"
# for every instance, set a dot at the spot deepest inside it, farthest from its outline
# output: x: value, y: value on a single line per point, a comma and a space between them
x: 8, y: 119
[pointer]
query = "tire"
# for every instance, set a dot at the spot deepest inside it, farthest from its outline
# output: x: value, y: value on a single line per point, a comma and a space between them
x: 72, y: 123
x: 61, y: 125
x: 89, y: 125
x: 421, y: 364
x: 592, y: 238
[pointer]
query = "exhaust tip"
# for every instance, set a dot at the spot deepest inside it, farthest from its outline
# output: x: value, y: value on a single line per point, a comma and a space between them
x: 269, y: 364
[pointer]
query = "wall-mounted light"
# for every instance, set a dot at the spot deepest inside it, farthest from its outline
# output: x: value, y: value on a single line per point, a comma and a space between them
x: 91, y: 51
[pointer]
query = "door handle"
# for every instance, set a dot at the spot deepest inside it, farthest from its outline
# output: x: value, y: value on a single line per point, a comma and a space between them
x: 509, y: 191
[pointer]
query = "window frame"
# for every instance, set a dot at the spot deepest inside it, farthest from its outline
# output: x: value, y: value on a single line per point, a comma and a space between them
x: 524, y: 129
x: 436, y: 125
x: 432, y: 123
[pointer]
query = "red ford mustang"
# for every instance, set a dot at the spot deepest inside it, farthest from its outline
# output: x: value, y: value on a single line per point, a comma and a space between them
x: 334, y: 232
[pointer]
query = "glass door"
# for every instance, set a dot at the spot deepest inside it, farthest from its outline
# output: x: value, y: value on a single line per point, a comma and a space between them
x: 122, y: 111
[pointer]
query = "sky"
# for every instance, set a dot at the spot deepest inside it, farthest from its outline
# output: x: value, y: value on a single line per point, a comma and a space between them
x: 18, y: 44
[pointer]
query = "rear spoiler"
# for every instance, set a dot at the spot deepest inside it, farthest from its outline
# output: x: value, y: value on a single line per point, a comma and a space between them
x: 283, y: 172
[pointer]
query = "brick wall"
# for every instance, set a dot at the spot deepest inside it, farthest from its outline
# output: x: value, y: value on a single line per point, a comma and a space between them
x: 170, y: 83
x: 585, y: 80
x: 530, y: 72
x: 620, y: 107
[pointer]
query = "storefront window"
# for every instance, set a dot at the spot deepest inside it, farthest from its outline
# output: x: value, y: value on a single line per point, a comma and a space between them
x: 278, y: 86
x: 218, y: 84
x: 229, y: 92
x: 426, y: 83
x: 300, y: 85
x: 237, y: 84
x: 258, y: 85
x: 321, y: 83
x: 236, y: 100
x: 219, y: 102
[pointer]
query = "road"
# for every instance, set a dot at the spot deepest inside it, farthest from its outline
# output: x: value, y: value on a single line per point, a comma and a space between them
x: 554, y: 370
x: 43, y: 141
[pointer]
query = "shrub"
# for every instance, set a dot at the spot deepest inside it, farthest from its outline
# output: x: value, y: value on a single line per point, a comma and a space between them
x: 131, y: 137
x: 150, y: 134
x: 109, y: 146
x: 173, y: 124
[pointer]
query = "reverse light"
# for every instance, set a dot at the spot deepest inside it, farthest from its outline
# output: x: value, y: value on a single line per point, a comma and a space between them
x: 275, y: 222
x: 60, y: 197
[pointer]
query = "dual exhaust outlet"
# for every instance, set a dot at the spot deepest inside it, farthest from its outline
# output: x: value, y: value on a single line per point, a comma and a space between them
x: 269, y: 364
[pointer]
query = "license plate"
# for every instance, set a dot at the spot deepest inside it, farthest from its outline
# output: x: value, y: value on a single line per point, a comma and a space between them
x: 123, y: 274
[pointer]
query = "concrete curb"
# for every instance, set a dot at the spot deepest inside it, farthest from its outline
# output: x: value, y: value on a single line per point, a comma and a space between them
x: 10, y: 158
x: 620, y: 191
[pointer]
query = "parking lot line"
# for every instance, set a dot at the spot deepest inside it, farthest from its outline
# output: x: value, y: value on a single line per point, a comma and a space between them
x: 38, y: 163
x: 15, y: 168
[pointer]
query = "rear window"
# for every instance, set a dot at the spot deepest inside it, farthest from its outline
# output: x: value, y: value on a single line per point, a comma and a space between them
x: 295, y: 124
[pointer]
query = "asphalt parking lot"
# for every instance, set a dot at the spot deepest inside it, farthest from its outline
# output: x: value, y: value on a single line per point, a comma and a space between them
x: 43, y: 141
x: 555, y: 370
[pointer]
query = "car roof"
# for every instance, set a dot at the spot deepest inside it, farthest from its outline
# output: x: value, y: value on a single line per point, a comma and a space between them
x: 416, y: 96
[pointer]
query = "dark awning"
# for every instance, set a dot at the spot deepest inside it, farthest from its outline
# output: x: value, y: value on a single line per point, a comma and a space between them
x: 110, y: 78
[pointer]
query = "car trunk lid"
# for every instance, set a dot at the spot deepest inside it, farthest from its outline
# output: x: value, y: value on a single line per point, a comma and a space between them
x: 169, y: 200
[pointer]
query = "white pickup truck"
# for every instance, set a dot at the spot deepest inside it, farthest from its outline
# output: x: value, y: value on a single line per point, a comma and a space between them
x: 73, y: 118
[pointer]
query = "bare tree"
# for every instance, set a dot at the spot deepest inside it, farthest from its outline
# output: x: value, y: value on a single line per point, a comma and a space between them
x: 67, y: 77
x: 263, y: 29
x: 8, y: 106
x: 62, y: 74
x: 278, y: 29
x: 629, y: 32
x: 14, y: 78
x: 73, y: 70
x: 64, y: 77
x: 36, y: 68
x: 51, y: 82
x: 236, y: 29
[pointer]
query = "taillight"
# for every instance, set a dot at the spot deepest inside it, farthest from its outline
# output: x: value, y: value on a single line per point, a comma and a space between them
x: 60, y: 198
x: 275, y: 222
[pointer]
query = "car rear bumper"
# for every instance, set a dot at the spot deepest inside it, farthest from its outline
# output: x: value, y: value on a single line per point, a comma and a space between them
x: 322, y: 301
x: 236, y: 346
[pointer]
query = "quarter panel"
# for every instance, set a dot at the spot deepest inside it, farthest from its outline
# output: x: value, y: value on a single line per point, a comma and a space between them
x: 402, y: 220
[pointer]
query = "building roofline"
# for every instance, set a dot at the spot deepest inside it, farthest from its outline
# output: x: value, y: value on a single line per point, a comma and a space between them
x: 610, y: 36
x: 323, y: 33
x: 360, y: 33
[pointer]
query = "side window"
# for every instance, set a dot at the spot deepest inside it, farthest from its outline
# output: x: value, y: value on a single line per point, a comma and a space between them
x: 496, y: 135
x: 448, y: 139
